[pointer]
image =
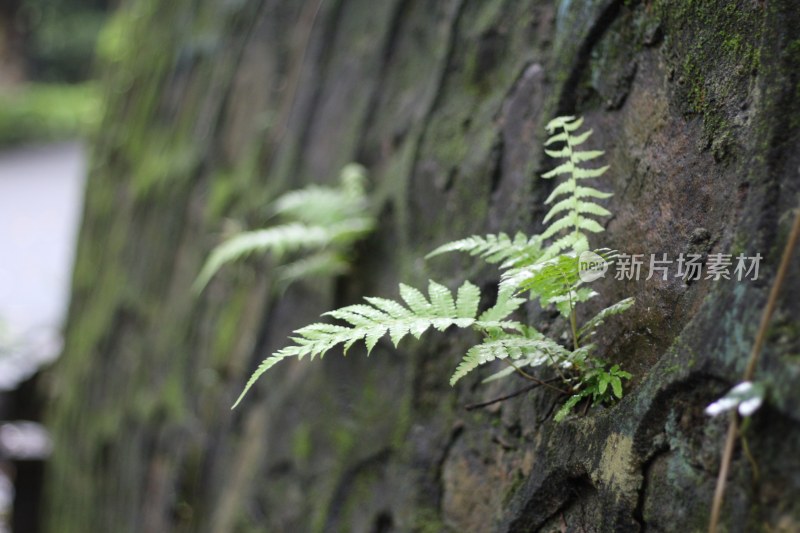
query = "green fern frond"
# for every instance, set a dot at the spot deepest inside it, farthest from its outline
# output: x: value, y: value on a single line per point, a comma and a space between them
x: 324, y: 219
x: 506, y: 304
x: 573, y: 296
x: 499, y: 248
x: 572, y: 212
x: 548, y: 279
x: 591, y: 325
x: 280, y: 241
x: 315, y: 205
x: 570, y: 404
x: 417, y: 314
x: 530, y: 348
x: 533, y: 359
x: 353, y: 178
x: 319, y: 205
x: 554, y: 281
x: 549, y: 273
x: 324, y: 263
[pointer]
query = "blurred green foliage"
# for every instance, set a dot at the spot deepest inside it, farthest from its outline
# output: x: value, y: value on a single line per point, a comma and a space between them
x: 62, y: 47
x: 61, y: 37
x: 40, y: 112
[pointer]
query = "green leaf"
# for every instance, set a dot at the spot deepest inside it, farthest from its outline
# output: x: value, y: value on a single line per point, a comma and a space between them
x: 573, y: 125
x: 568, y: 406
x: 566, y: 187
x: 441, y: 299
x: 415, y: 300
x: 584, y: 173
x: 588, y: 192
x: 575, y: 242
x: 568, y: 204
x: 574, y: 221
x: 558, y: 122
x: 602, y: 383
x: 319, y: 205
x: 590, y: 208
x: 580, y: 139
x: 505, y: 305
x: 498, y: 248
x: 559, y: 137
x: 265, y: 365
x: 616, y: 385
x: 552, y: 280
x: 587, y: 155
x: 467, y: 300
x: 564, y: 168
x: 565, y: 222
x: 589, y: 225
x: 548, y: 270
x: 591, y: 325
x: 564, y: 152
x: 572, y: 203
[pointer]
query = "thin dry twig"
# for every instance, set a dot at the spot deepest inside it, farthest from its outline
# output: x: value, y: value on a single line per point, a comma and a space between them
x: 533, y: 378
x: 473, y: 406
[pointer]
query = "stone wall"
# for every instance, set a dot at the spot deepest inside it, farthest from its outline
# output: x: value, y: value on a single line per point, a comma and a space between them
x: 214, y: 108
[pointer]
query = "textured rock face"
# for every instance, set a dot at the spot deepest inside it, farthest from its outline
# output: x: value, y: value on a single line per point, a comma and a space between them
x: 216, y: 107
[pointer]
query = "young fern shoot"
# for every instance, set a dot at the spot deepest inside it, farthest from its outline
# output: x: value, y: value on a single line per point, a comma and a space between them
x: 545, y: 266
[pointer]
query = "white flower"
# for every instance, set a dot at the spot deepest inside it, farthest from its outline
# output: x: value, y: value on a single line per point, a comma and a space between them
x: 747, y: 396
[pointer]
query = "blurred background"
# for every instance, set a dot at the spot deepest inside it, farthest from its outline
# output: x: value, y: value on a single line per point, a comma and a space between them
x: 49, y: 105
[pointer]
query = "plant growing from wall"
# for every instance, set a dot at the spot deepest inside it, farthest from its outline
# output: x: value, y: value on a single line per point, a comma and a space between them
x: 747, y: 396
x: 319, y: 227
x: 546, y: 267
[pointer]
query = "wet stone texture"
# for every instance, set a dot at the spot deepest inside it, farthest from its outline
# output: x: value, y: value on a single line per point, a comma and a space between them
x: 220, y: 106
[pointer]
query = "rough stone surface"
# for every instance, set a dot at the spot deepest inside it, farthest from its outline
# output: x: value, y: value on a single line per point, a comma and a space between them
x: 216, y: 107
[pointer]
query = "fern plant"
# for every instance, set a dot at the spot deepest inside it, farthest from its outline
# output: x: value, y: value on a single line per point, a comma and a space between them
x: 321, y: 224
x: 545, y: 267
x: 576, y: 201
